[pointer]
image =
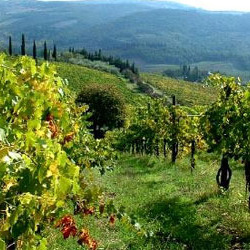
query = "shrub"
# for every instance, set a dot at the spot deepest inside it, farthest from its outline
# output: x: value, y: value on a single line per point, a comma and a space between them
x: 106, y: 105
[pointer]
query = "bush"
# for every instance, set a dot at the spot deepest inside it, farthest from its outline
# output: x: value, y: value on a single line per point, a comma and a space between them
x: 145, y: 88
x: 106, y: 105
x: 80, y: 60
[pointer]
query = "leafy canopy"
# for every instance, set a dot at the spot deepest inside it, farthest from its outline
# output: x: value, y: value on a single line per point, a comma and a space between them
x: 106, y: 105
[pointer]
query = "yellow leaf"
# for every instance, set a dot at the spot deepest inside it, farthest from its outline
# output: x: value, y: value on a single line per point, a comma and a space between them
x: 53, y: 169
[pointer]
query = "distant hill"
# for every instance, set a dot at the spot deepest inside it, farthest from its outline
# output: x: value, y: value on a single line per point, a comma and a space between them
x: 151, y: 3
x: 178, y: 36
x: 147, y: 32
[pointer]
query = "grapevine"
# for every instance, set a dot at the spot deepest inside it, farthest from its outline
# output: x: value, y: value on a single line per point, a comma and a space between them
x: 41, y: 163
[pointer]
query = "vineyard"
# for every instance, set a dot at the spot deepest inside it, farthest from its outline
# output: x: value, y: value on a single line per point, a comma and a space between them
x: 150, y: 182
x: 45, y: 149
x: 222, y: 127
x: 79, y: 76
x: 189, y: 94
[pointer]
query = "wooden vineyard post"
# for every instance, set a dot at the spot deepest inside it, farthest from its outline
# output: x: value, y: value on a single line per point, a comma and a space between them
x: 192, y: 155
x: 144, y: 146
x: 247, y: 175
x: 157, y: 148
x: 137, y: 147
x: 164, y: 148
x: 224, y: 173
x: 133, y: 148
x: 141, y: 146
x: 174, y: 135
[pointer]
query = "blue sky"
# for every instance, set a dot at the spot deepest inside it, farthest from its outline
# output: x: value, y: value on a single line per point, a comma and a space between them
x: 231, y: 5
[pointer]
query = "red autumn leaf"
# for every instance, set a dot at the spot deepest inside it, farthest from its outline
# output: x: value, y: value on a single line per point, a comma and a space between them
x: 66, y: 220
x: 69, y: 137
x: 52, y: 125
x: 84, y: 237
x: 112, y: 220
x: 69, y: 230
x: 68, y: 226
x: 53, y: 129
x: 88, y: 211
x: 49, y: 117
x: 93, y: 245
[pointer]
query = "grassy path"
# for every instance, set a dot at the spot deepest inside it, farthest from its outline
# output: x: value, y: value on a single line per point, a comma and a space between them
x: 180, y: 209
x: 184, y: 210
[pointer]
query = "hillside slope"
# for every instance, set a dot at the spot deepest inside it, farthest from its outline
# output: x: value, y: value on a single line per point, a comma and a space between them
x: 79, y: 76
x: 187, y: 93
x: 177, y: 36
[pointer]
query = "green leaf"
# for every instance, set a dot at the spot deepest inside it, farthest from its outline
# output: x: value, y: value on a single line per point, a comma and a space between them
x: 2, y: 245
x: 15, y: 215
x: 63, y: 187
x: 42, y: 245
x: 2, y: 169
x: 2, y: 135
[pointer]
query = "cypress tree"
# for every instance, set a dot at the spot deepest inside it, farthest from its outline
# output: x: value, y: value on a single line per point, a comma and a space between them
x: 34, y: 50
x: 84, y: 52
x: 49, y: 55
x: 45, y: 52
x: 10, y: 46
x: 96, y: 55
x: 100, y: 54
x: 133, y: 68
x: 111, y: 60
x: 185, y: 71
x: 54, y: 54
x: 23, y: 46
x: 127, y: 64
x: 136, y: 71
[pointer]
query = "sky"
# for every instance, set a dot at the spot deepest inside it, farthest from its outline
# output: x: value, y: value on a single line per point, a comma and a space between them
x: 228, y: 5
x: 232, y: 5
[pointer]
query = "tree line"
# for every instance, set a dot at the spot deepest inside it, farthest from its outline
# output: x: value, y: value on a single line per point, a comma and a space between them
x: 126, y: 68
x: 186, y: 73
x: 129, y: 70
x: 47, y: 53
x: 122, y: 65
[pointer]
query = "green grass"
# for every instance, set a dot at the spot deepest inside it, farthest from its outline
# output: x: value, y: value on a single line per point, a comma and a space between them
x: 182, y: 210
x: 187, y: 93
x: 158, y: 68
x: 79, y: 76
